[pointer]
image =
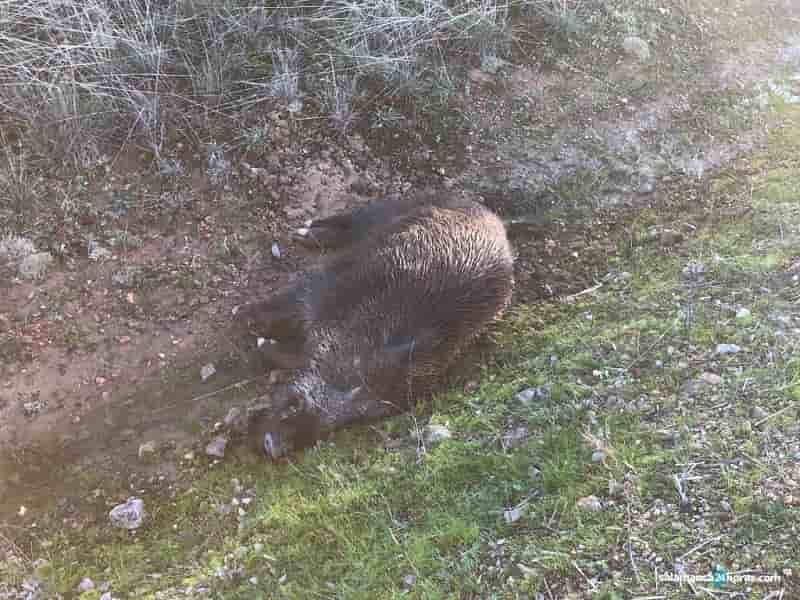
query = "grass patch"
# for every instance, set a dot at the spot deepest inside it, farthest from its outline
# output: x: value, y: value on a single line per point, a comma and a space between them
x: 673, y: 458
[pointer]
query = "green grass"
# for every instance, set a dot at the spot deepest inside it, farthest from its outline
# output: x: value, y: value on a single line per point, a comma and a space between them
x: 351, y: 519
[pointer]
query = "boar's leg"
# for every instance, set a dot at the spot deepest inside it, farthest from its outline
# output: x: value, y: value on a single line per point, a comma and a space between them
x: 348, y: 228
x: 278, y: 437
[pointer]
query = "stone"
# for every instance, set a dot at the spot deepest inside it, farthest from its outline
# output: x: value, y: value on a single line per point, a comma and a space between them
x: 433, y: 434
x: 727, y: 348
x: 207, y: 371
x: 128, y: 515
x: 216, y: 447
x: 533, y: 394
x: 590, y: 503
x: 636, y: 46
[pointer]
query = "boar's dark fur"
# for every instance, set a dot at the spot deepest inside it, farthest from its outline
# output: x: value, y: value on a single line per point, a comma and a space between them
x: 376, y: 325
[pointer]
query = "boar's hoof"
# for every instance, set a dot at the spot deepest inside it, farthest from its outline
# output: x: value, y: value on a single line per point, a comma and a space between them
x: 273, y: 444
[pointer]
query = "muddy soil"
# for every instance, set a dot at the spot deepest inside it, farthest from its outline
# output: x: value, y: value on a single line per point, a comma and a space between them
x: 105, y: 353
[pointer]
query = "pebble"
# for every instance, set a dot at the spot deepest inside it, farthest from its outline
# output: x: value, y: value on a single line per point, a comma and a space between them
x: 743, y: 313
x: 147, y: 449
x: 537, y: 394
x: 694, y: 270
x: 207, y: 371
x: 590, y: 503
x: 216, y: 447
x: 35, y: 265
x: 128, y: 515
x: 598, y: 456
x: 758, y: 413
x: 435, y: 433
x: 711, y: 378
x: 637, y: 47
x: 513, y: 515
x: 126, y: 277
x: 727, y: 348
x: 86, y: 585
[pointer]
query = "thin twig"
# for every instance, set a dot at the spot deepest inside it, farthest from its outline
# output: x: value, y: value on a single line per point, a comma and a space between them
x: 590, y: 290
x: 696, y: 548
x: 630, y: 546
x: 238, y: 384
x: 775, y: 414
x: 578, y: 569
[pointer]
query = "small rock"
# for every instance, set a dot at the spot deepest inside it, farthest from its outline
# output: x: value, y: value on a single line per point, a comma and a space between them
x: 409, y: 581
x: 86, y: 585
x: 126, y: 277
x: 106, y: 596
x: 758, y: 413
x: 533, y: 394
x: 147, y: 449
x: 33, y: 587
x: 711, y: 378
x: 647, y: 183
x: 95, y: 251
x: 216, y: 447
x: 99, y: 380
x: 35, y: 265
x: 471, y: 387
x: 34, y: 407
x: 128, y: 515
x: 276, y: 250
x: 207, y: 371
x: 235, y: 419
x: 513, y: 515
x: 516, y: 437
x: 727, y: 348
x: 636, y: 46
x: 432, y: 434
x: 665, y: 236
x: 590, y: 503
x: 598, y: 456
x: 694, y: 270
x: 742, y: 314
